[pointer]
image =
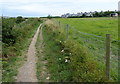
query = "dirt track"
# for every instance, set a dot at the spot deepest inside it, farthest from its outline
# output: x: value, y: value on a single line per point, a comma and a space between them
x: 27, y: 73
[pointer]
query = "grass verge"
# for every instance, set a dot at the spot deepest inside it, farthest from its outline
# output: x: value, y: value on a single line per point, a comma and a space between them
x: 42, y: 71
x: 68, y: 60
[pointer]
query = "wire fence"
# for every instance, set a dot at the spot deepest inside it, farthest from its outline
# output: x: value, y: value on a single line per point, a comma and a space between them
x: 96, y: 44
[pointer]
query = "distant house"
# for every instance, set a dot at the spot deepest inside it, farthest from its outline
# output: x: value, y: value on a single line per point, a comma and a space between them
x: 114, y: 14
x: 63, y: 16
x: 79, y: 14
x: 88, y: 14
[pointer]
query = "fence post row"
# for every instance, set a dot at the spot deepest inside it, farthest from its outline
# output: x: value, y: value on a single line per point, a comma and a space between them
x: 108, y: 44
x: 67, y: 26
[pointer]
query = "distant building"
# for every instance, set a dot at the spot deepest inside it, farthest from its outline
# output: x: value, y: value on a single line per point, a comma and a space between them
x: 79, y: 14
x: 88, y: 14
x: 114, y: 14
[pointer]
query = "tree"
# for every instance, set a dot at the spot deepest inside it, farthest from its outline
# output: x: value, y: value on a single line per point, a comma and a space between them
x: 19, y: 19
x: 96, y: 14
x: 83, y: 15
x: 49, y: 16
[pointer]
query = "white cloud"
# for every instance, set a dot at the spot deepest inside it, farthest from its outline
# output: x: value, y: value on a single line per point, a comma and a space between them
x: 55, y: 7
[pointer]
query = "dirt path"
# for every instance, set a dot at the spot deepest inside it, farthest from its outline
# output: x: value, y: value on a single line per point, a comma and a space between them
x: 27, y: 73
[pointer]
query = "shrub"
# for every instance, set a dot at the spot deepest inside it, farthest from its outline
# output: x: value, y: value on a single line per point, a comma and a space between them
x: 20, y: 19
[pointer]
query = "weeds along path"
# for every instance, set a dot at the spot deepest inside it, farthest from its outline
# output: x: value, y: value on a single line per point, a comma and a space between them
x: 42, y: 71
x: 27, y: 73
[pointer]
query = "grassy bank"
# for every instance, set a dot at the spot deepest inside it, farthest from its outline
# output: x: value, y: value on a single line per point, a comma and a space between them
x: 91, y: 33
x: 40, y: 58
x: 68, y: 59
x: 42, y: 71
x: 14, y: 55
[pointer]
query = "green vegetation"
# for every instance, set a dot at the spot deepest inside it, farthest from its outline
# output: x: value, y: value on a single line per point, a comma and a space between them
x: 39, y: 54
x: 68, y: 59
x: 42, y: 71
x: 97, y: 26
x: 74, y: 52
x: 91, y: 32
x: 15, y: 43
x: 7, y: 25
x: 20, y: 19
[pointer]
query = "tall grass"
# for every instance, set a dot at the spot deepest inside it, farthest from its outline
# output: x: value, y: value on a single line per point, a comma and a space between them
x: 69, y: 60
x: 87, y: 32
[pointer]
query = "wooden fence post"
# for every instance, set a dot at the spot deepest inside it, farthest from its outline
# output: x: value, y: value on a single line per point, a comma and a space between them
x: 67, y: 26
x: 108, y: 44
x: 59, y: 23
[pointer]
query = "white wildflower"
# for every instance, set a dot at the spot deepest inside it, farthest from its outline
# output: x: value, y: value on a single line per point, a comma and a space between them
x: 62, y: 51
x: 48, y: 78
x: 66, y: 60
x: 60, y: 41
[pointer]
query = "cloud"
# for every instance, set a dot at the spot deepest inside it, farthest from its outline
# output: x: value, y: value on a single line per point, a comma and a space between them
x: 54, y: 7
x: 45, y: 8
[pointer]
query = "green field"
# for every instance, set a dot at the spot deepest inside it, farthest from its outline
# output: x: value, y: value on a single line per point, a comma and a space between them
x: 97, y: 26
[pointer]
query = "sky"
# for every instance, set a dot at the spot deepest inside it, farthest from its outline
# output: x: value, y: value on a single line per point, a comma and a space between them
x: 41, y: 8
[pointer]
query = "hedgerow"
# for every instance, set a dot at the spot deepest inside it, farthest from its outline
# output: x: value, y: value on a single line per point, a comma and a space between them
x: 14, y: 49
